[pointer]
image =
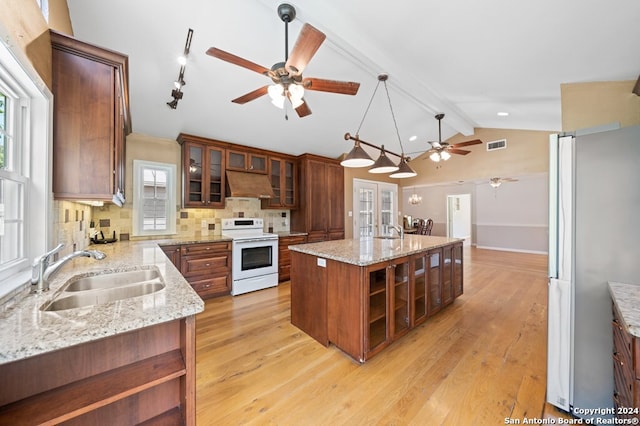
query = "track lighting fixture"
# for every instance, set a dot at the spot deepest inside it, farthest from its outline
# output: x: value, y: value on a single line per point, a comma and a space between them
x: 176, y: 93
x: 358, y: 157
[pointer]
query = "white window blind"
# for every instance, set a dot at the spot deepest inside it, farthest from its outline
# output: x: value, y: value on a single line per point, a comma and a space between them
x: 154, y: 198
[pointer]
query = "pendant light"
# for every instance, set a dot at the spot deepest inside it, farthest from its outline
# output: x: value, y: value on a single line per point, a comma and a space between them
x: 358, y: 156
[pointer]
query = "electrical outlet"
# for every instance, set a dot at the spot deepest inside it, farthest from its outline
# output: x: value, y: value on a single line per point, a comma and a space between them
x: 204, y: 224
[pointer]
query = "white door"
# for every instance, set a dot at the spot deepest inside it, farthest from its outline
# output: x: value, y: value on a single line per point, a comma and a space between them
x: 376, y: 207
x: 459, y: 217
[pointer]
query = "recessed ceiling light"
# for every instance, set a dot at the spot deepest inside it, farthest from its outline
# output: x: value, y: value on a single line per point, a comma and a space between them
x: 503, y: 114
x: 413, y: 138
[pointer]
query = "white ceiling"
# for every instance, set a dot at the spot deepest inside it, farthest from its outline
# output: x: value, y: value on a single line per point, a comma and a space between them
x: 466, y: 58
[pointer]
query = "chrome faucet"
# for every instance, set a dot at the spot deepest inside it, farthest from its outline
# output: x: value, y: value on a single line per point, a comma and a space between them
x: 43, y: 269
x: 399, y: 230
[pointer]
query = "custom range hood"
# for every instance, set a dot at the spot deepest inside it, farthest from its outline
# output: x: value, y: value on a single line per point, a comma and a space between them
x: 248, y: 185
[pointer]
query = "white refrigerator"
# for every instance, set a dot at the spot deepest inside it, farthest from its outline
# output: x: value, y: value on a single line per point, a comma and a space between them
x: 594, y: 238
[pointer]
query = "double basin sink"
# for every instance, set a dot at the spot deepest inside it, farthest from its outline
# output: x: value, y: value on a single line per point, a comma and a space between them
x: 83, y: 291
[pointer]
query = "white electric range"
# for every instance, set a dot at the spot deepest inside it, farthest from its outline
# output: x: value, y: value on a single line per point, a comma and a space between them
x: 255, y: 255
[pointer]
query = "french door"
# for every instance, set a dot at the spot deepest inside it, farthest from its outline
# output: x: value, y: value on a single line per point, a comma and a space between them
x: 375, y: 206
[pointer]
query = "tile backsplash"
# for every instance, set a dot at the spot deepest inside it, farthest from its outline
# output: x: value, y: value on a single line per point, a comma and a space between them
x: 71, y: 224
x: 191, y: 222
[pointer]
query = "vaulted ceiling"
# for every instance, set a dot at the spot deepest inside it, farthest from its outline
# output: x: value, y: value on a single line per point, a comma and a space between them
x: 468, y: 59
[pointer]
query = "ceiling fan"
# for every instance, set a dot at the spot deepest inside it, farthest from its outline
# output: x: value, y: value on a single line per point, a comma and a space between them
x: 495, y: 182
x: 288, y: 82
x: 443, y: 150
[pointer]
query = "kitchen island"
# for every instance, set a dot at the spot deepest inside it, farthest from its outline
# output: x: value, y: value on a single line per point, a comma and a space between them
x: 363, y: 294
x: 127, y: 361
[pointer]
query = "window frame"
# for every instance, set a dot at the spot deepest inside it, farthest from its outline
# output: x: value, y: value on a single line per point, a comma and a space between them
x: 30, y: 151
x: 170, y: 208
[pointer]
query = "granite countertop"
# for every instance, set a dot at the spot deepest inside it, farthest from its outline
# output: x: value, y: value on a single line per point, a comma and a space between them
x: 367, y: 251
x: 192, y: 240
x: 627, y: 299
x: 291, y: 234
x: 27, y: 331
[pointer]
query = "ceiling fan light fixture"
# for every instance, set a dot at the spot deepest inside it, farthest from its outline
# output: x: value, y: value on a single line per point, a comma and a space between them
x: 404, y: 170
x: 357, y: 157
x: 296, y: 91
x: 383, y: 164
x: 435, y: 157
x: 495, y: 182
x: 445, y: 155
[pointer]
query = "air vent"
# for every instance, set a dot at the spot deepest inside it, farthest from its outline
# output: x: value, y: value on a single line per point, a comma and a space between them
x: 499, y: 144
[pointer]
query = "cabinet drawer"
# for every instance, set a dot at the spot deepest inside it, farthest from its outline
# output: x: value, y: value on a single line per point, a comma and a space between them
x: 204, y: 248
x: 199, y: 265
x: 212, y: 286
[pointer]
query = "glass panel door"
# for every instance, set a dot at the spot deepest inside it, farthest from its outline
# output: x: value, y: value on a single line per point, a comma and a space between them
x: 195, y: 184
x: 366, y: 211
x: 401, y: 297
x: 216, y: 187
x: 420, y: 288
x: 377, y: 307
x: 387, y: 207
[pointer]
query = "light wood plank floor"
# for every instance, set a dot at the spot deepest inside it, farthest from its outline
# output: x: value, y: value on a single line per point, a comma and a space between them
x: 477, y: 362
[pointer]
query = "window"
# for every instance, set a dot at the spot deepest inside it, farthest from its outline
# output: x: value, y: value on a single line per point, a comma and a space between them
x: 25, y: 114
x: 154, y: 198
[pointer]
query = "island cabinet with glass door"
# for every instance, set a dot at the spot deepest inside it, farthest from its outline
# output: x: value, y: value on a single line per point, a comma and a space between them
x: 363, y: 294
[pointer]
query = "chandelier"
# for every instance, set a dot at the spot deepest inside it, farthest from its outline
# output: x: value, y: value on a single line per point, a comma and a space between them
x: 415, y: 199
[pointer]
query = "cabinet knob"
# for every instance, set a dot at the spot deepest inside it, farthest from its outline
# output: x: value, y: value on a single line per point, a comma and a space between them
x: 207, y: 264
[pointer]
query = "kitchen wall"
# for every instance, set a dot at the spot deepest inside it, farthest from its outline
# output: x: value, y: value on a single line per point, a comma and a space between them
x: 110, y: 218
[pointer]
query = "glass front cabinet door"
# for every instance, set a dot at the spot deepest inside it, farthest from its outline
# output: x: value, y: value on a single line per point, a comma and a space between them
x: 204, y: 176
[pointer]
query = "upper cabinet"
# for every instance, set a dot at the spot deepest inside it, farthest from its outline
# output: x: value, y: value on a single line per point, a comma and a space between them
x: 203, y: 165
x: 90, y: 119
x: 282, y: 176
x: 205, y: 181
x: 246, y: 161
x: 320, y: 211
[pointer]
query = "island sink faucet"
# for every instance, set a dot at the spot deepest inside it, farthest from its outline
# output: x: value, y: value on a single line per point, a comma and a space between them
x: 43, y: 269
x: 399, y: 230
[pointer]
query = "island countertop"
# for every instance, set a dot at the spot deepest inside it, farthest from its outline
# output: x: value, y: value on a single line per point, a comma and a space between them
x: 371, y: 250
x: 26, y: 331
x: 627, y: 299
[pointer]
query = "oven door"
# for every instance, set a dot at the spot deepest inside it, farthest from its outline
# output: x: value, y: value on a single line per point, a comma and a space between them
x: 254, y: 257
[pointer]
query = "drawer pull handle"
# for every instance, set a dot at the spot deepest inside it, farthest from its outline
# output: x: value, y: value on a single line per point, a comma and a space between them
x: 615, y: 357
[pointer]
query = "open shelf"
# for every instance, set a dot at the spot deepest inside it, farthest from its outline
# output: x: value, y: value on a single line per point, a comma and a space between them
x: 74, y: 399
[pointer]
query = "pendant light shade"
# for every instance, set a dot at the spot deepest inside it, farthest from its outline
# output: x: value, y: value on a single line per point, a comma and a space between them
x: 383, y: 164
x: 404, y: 170
x: 358, y: 157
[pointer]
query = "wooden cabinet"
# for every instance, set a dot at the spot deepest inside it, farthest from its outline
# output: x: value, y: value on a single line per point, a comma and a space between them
x: 143, y: 376
x: 363, y: 309
x: 320, y: 212
x: 434, y: 281
x: 387, y: 310
x: 207, y: 267
x: 282, y: 175
x: 456, y: 273
x: 90, y: 119
x: 284, y: 254
x: 626, y: 370
x: 203, y: 168
x: 246, y: 161
x: 173, y: 253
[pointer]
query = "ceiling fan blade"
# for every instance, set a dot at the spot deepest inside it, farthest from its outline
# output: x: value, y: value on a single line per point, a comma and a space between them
x: 333, y: 86
x: 467, y: 143
x: 303, y: 110
x: 308, y: 43
x: 236, y: 60
x: 251, y: 95
x: 458, y: 151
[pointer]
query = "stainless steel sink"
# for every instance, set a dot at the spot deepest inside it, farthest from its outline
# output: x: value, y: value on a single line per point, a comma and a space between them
x: 96, y: 297
x: 111, y: 280
x: 104, y: 288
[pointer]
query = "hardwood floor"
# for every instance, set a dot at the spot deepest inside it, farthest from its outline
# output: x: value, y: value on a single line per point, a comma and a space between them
x: 477, y: 362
